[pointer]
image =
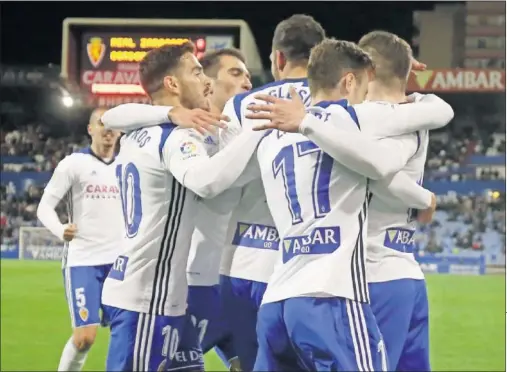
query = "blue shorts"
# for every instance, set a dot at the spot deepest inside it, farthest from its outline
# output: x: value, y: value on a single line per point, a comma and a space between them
x: 241, y: 299
x: 144, y: 342
x: 205, y: 310
x: 318, y: 334
x: 401, y: 310
x: 83, y: 290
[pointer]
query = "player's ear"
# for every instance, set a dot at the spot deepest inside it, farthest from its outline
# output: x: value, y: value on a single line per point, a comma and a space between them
x: 350, y: 81
x: 89, y: 127
x: 171, y: 84
x: 280, y: 59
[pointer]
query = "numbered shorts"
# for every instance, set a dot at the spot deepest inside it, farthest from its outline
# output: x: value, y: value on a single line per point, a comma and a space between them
x: 318, y: 334
x: 241, y: 299
x: 83, y: 290
x: 205, y: 309
x: 401, y: 310
x: 144, y: 342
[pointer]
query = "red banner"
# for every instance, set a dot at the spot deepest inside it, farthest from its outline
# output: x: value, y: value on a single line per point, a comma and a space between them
x: 457, y: 80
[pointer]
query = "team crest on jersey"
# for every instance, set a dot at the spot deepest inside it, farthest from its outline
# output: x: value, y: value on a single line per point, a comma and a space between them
x: 96, y: 50
x: 402, y: 240
x: 83, y: 313
x: 256, y: 236
x: 322, y: 240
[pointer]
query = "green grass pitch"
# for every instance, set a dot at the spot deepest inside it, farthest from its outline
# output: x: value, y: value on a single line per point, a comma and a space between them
x: 467, y: 321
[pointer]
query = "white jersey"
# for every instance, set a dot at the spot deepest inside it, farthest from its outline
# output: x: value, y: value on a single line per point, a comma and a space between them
x: 319, y: 207
x: 159, y: 213
x: 208, y: 238
x: 252, y: 241
x: 89, y: 187
x: 391, y: 225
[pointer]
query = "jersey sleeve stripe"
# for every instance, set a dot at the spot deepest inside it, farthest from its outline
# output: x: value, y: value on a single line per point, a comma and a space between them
x: 237, y: 106
x: 353, y: 115
x: 418, y: 134
x: 166, y: 131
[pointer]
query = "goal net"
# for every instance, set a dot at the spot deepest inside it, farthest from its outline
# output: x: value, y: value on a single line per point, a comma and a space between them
x: 38, y: 243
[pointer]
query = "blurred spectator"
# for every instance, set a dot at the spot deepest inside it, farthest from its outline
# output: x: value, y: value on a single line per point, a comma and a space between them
x: 467, y: 223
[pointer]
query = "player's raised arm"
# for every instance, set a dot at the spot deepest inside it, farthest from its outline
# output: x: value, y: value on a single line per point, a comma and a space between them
x: 427, y: 112
x: 131, y: 116
x: 57, y: 187
x: 234, y: 128
x: 185, y: 157
x: 365, y: 155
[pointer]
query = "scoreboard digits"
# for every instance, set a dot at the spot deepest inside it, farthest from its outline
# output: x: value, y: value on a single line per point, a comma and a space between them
x: 101, y: 56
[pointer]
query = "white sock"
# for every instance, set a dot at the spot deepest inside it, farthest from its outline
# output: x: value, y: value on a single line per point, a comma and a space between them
x: 72, y: 359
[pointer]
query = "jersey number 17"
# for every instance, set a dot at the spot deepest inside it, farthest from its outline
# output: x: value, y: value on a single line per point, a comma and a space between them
x: 284, y: 165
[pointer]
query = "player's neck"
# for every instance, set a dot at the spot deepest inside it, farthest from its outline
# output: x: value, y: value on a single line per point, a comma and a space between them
x: 103, y: 152
x: 215, y: 106
x: 294, y: 72
x: 214, y: 109
x: 166, y: 101
x: 379, y: 92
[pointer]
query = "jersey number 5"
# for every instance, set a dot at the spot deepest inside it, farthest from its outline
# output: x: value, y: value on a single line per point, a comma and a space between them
x: 284, y: 164
x: 130, y: 192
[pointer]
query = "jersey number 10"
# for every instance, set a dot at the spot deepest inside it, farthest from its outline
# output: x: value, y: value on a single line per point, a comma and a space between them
x: 130, y: 192
x: 284, y: 164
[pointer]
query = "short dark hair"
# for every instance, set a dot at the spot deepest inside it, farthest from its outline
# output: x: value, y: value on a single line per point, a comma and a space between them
x: 296, y: 36
x: 160, y: 62
x: 210, y: 61
x: 392, y: 55
x: 329, y: 61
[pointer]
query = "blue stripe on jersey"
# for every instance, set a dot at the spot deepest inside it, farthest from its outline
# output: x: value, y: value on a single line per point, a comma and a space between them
x: 343, y: 103
x: 238, y: 98
x: 167, y: 128
x: 418, y: 134
x: 163, y: 267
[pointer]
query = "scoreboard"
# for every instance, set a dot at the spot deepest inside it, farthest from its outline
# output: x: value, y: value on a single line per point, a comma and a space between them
x: 100, y: 56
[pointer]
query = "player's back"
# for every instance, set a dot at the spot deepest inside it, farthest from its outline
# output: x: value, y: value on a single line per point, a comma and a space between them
x: 319, y: 208
x: 158, y: 211
x: 252, y: 240
x: 391, y: 225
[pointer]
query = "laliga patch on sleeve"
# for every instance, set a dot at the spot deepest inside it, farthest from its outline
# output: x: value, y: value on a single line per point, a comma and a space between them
x: 188, y: 149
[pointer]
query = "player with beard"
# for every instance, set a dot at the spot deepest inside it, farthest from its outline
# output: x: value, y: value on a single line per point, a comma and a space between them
x: 229, y: 75
x: 161, y: 170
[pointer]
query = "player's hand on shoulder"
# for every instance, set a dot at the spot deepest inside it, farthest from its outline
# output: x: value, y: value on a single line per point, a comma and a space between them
x: 283, y: 114
x: 69, y: 232
x: 426, y: 216
x: 198, y: 119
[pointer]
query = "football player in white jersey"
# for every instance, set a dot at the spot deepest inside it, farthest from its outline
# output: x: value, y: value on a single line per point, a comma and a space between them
x: 161, y: 170
x: 315, y: 313
x: 87, y: 180
x: 227, y: 69
x: 252, y: 240
x: 396, y: 282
